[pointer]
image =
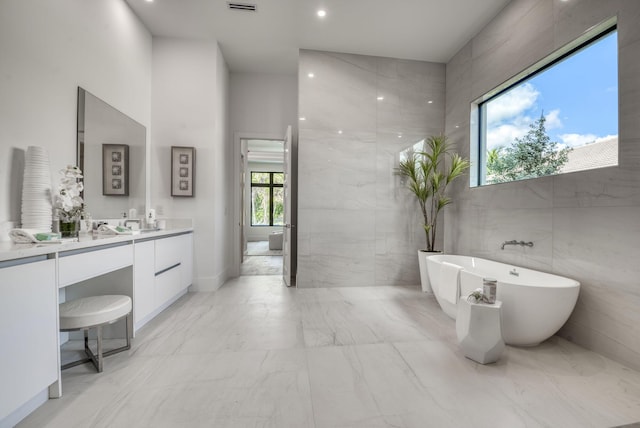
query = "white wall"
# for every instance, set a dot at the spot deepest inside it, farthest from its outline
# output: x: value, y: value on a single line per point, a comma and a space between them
x: 47, y: 50
x: 258, y: 233
x: 263, y: 103
x: 584, y: 225
x: 189, y: 108
x: 358, y: 225
x: 261, y: 106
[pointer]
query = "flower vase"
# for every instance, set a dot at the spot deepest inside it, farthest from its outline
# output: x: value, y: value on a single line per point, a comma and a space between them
x: 69, y: 229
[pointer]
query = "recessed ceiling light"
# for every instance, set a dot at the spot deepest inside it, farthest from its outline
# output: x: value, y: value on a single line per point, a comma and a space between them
x: 149, y: 1
x: 430, y: 102
x: 311, y: 75
x: 321, y: 13
x: 303, y: 118
x: 380, y: 98
x: 340, y: 131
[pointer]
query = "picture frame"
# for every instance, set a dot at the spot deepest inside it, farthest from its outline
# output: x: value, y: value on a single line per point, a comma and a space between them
x: 115, y: 170
x: 183, y: 171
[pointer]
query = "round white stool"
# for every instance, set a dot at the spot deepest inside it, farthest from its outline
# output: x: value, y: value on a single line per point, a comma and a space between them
x: 95, y: 312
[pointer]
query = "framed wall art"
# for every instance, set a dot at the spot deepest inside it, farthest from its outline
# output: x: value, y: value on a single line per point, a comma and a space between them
x: 115, y: 170
x: 183, y: 171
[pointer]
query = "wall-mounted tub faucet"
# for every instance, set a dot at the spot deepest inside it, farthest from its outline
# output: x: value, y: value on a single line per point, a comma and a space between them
x: 514, y: 242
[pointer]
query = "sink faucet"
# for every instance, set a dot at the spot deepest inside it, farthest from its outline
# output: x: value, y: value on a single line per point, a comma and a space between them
x: 514, y: 242
x: 131, y: 220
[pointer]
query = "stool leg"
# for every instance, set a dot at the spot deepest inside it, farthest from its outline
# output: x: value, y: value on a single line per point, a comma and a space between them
x: 86, y: 339
x: 129, y: 334
x: 99, y: 355
x: 129, y: 322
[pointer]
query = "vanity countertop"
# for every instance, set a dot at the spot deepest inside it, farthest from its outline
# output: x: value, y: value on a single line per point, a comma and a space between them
x: 11, y: 251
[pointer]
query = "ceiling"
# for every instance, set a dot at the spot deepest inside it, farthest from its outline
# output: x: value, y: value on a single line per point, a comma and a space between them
x: 268, y: 40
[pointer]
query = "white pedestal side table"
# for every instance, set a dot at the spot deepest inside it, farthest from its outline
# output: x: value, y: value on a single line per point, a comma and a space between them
x: 479, y: 330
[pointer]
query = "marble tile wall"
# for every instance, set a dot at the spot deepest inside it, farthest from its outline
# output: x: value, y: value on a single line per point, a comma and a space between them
x: 584, y: 225
x: 357, y: 224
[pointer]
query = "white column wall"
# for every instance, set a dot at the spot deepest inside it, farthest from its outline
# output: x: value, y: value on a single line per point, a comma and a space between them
x: 190, y: 108
x: 357, y: 224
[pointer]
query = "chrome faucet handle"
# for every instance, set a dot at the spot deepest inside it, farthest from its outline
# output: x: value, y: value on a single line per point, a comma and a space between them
x: 131, y: 220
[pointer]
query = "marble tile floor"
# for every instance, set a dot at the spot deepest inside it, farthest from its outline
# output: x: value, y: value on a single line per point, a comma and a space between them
x: 260, y: 260
x: 261, y: 248
x: 256, y: 354
x: 261, y: 265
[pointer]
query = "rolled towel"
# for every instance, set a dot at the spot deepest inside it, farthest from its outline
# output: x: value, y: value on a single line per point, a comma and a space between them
x: 107, y: 229
x: 449, y: 287
x: 33, y: 236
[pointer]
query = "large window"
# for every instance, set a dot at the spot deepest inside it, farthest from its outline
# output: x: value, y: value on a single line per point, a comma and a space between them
x: 267, y: 199
x: 559, y: 116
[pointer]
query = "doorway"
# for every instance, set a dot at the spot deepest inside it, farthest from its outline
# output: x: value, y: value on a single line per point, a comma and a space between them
x: 261, y: 206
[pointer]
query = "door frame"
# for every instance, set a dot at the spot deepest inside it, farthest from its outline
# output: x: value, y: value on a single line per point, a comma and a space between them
x: 237, y: 150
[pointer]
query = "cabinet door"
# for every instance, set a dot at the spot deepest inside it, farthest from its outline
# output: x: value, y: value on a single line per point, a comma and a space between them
x: 167, y: 285
x: 187, y: 260
x: 168, y: 252
x: 28, y: 332
x: 144, y: 280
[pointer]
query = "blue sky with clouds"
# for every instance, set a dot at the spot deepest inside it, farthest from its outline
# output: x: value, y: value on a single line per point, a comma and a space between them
x: 579, y: 98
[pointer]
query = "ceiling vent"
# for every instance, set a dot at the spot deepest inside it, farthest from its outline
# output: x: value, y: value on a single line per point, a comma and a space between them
x: 247, y: 7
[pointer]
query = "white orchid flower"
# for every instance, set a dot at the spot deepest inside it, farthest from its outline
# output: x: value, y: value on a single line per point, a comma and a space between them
x: 68, y: 201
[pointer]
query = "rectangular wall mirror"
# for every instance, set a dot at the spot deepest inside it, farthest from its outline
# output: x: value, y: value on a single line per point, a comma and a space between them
x: 100, y: 125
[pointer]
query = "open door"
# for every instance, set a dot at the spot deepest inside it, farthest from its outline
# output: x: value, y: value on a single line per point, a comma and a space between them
x: 243, y: 220
x: 287, y: 186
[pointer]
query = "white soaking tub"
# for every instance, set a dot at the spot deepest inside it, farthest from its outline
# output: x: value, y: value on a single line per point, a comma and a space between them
x: 534, y: 304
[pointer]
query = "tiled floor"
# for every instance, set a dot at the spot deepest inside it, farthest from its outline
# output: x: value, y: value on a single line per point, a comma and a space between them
x: 261, y: 248
x: 256, y: 354
x: 261, y: 265
x: 259, y: 260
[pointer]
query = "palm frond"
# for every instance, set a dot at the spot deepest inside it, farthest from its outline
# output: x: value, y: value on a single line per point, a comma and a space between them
x: 427, y: 178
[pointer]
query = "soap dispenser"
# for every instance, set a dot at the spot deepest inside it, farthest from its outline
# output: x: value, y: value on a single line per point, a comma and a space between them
x: 151, y: 219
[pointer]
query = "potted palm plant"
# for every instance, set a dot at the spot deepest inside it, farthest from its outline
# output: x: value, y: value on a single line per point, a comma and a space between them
x: 427, y: 173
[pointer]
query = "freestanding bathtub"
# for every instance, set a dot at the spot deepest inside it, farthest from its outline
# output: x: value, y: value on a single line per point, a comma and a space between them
x: 534, y: 304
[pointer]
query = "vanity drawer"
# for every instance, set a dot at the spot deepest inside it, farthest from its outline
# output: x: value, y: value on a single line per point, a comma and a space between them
x: 168, y: 252
x: 76, y: 266
x: 167, y: 284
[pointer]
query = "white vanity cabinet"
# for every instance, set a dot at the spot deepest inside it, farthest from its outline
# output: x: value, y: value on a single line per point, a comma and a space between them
x: 186, y: 241
x: 154, y: 269
x: 163, y: 270
x: 78, y: 265
x: 28, y: 330
x: 173, y: 267
x: 143, y: 281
